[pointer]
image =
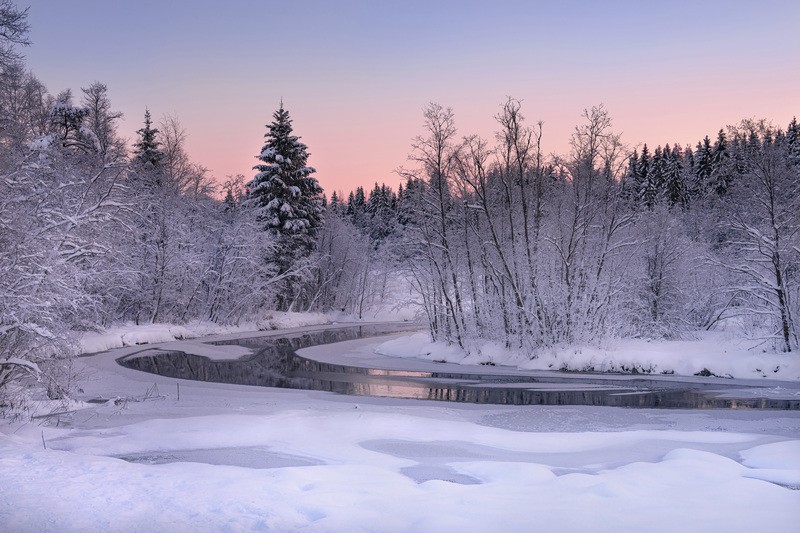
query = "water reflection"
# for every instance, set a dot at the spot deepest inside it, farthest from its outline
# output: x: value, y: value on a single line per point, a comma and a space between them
x: 275, y: 364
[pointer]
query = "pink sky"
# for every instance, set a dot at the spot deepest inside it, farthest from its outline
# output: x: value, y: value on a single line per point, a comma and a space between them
x: 355, y: 75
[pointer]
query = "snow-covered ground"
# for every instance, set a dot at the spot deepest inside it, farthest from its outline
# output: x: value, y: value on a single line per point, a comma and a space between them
x: 237, y: 458
x: 132, y: 335
x: 716, y: 352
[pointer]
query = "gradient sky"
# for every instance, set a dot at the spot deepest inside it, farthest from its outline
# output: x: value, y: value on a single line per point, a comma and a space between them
x: 355, y: 75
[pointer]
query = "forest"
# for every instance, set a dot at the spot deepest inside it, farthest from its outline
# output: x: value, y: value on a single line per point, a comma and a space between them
x: 492, y: 239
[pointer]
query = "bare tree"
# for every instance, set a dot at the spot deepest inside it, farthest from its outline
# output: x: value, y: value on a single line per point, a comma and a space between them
x: 436, y: 155
x: 181, y: 172
x: 23, y: 110
x: 590, y: 231
x: 13, y: 31
x: 763, y: 220
x: 102, y: 121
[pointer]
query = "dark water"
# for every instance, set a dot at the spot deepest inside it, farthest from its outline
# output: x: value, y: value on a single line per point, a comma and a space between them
x: 275, y: 364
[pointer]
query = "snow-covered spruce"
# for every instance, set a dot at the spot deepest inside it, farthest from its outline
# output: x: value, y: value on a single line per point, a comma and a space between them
x: 288, y: 201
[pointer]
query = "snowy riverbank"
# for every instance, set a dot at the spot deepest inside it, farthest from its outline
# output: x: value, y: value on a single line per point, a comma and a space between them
x: 711, y: 353
x: 238, y: 458
x: 122, y: 335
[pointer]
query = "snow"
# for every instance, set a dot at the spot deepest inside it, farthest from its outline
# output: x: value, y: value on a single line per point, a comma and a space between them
x: 778, y: 462
x: 239, y: 458
x: 776, y: 455
x: 41, y: 143
x: 132, y: 334
x: 24, y: 363
x: 714, y: 351
x: 353, y: 484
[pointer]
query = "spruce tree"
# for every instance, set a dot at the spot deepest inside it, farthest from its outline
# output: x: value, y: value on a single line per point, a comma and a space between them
x: 147, y: 150
x: 288, y: 200
x: 647, y: 177
x: 381, y: 215
x: 720, y: 173
x: 675, y: 184
x: 147, y: 158
x: 658, y: 173
x: 703, y: 165
x: 335, y: 204
x: 357, y: 209
x: 793, y: 142
x: 630, y: 181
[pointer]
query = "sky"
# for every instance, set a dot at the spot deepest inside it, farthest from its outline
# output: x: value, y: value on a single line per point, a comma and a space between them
x: 355, y: 75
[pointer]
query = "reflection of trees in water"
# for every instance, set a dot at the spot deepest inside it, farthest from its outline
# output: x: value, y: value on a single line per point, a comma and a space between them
x: 275, y: 364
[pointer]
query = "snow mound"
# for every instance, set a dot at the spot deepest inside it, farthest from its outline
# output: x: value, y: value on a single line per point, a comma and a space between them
x: 776, y: 455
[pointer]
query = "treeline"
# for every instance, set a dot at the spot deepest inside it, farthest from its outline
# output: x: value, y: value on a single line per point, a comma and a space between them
x: 505, y: 243
x: 680, y: 176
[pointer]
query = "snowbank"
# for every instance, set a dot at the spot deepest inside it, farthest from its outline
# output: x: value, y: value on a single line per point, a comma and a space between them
x: 131, y: 334
x: 713, y: 353
x: 377, y: 471
x: 286, y: 320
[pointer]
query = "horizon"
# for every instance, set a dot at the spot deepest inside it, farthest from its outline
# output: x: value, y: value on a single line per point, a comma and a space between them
x: 355, y: 76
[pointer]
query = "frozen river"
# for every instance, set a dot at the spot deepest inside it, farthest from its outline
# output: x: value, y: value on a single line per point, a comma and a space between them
x: 328, y: 364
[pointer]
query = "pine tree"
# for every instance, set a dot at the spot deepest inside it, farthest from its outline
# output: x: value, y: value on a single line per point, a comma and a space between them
x: 630, y: 181
x: 335, y: 204
x: 793, y: 142
x: 658, y: 172
x: 690, y: 174
x: 357, y: 208
x: 229, y: 202
x: 288, y: 199
x: 648, y: 189
x: 675, y: 184
x: 284, y: 190
x: 147, y: 171
x: 381, y: 215
x: 147, y: 150
x: 157, y: 235
x: 703, y: 165
x: 720, y: 173
x: 408, y: 204
x: 360, y: 200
